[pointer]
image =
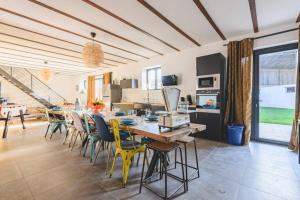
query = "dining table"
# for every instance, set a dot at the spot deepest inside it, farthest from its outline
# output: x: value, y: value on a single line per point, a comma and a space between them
x: 149, y: 129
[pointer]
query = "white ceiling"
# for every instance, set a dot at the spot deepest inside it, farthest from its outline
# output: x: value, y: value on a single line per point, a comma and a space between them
x: 23, y: 48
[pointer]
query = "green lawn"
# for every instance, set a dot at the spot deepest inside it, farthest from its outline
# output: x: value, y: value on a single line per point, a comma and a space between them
x: 276, y: 115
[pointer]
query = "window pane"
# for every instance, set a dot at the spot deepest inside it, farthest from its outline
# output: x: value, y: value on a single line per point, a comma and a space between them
x: 97, y: 89
x: 277, y: 78
x: 151, y: 79
x: 100, y: 88
x: 158, y: 78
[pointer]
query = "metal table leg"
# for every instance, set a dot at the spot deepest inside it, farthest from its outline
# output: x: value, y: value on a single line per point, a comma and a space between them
x: 152, y: 165
x: 22, y: 119
x: 6, y: 125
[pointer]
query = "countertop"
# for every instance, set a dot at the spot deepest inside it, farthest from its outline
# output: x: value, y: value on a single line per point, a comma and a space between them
x: 130, y: 103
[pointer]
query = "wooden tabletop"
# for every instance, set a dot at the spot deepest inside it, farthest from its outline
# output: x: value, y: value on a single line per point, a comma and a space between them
x: 151, y: 129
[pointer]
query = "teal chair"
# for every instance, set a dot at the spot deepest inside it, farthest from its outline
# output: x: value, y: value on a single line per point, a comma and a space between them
x: 54, y: 124
x: 93, y: 137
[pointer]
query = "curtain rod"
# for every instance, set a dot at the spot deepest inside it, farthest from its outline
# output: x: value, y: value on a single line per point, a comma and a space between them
x: 272, y: 34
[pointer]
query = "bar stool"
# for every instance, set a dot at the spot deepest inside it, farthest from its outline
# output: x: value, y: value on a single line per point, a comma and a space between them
x: 185, y: 140
x: 160, y: 153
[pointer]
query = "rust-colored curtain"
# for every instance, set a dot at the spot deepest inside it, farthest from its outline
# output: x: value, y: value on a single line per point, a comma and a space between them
x: 91, y: 89
x: 238, y: 107
x: 293, y: 145
x: 107, y: 78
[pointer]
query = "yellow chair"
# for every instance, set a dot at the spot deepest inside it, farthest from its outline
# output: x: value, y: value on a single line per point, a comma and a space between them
x: 126, y: 149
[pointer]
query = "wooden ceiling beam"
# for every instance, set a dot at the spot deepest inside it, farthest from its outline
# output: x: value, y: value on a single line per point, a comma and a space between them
x: 158, y: 14
x: 128, y: 23
x: 55, y: 38
x: 11, y: 54
x: 31, y: 61
x: 252, y: 6
x: 70, y: 32
x: 209, y: 19
x: 83, y: 68
x: 44, y: 56
x: 50, y: 45
x: 29, y: 52
x: 20, y: 45
x: 94, y: 26
x: 28, y: 65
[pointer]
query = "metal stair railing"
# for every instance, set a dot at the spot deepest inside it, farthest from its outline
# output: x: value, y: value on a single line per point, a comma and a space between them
x: 38, y: 88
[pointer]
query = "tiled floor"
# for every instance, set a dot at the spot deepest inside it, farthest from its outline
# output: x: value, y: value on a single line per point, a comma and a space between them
x: 34, y: 168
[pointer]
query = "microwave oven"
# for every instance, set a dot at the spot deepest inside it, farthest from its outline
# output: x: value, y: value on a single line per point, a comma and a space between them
x: 208, y: 82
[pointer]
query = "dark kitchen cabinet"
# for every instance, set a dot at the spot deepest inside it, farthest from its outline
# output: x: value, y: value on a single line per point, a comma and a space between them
x: 211, y: 64
x: 193, y: 118
x: 213, y: 125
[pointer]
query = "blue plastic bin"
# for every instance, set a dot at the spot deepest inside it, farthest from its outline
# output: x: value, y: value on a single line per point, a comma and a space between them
x: 235, y: 134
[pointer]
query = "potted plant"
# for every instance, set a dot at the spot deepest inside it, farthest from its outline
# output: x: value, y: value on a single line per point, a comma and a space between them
x: 97, y: 106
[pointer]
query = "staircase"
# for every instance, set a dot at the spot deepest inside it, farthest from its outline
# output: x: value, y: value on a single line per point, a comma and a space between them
x: 31, y: 85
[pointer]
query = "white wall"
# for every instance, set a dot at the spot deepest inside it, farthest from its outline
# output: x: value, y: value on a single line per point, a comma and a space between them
x: 64, y: 85
x: 282, y: 98
x: 15, y: 95
x: 183, y: 64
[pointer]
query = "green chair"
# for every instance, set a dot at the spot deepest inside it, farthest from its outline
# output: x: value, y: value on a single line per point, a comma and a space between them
x: 54, y: 124
x: 93, y: 137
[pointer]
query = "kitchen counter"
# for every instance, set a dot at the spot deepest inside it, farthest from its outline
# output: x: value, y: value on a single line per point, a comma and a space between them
x: 137, y: 103
x: 126, y: 106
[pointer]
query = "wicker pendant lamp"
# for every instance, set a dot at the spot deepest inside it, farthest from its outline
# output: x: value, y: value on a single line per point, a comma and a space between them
x: 92, y: 53
x: 46, y: 74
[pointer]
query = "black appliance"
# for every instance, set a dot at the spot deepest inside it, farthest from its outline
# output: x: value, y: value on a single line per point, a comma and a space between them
x: 169, y: 80
x: 208, y: 99
x: 208, y: 82
x: 189, y: 99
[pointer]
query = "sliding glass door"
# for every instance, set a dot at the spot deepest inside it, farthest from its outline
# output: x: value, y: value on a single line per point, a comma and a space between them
x: 274, y: 93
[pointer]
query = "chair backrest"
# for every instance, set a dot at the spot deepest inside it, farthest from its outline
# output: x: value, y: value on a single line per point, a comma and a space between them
x: 87, y: 119
x: 47, y: 114
x: 86, y: 123
x: 116, y: 132
x: 103, y: 129
x: 77, y: 122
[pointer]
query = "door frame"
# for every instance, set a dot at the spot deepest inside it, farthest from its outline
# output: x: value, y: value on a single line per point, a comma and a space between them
x: 255, y: 91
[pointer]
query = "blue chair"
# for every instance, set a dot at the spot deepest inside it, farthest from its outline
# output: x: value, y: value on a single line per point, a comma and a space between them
x: 106, y: 139
x: 104, y: 136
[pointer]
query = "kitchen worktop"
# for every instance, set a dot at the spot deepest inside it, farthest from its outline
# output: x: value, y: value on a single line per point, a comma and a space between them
x: 130, y: 103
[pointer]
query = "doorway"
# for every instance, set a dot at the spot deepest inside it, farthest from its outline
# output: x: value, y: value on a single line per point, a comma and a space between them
x: 274, y: 93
